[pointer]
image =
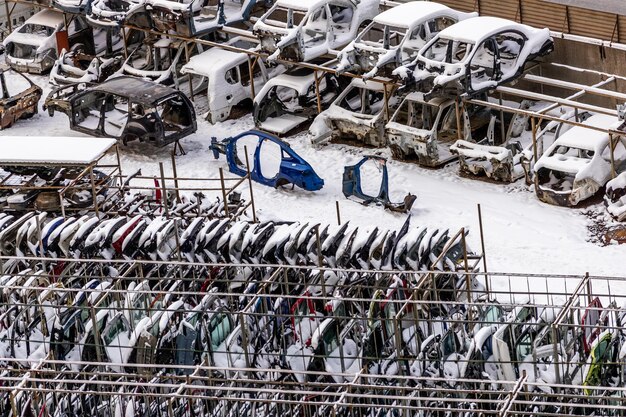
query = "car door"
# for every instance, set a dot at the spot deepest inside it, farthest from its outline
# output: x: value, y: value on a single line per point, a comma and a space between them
x: 483, y: 67
x: 341, y: 23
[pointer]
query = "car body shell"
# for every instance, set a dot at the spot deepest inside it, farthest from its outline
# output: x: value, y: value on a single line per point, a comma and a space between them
x: 578, y: 164
x: 415, y: 23
x: 476, y: 55
x: 195, y: 18
x: 298, y: 88
x: 225, y: 75
x: 39, y: 50
x: 129, y: 125
x: 17, y: 105
x: 77, y: 67
x: 323, y: 25
x: 293, y: 169
x: 357, y: 114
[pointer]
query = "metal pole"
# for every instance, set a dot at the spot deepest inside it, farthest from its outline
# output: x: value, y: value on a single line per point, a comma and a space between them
x: 224, y: 192
x: 93, y: 191
x: 502, y: 131
x: 338, y: 212
x: 457, y: 111
x: 533, y: 128
x: 320, y: 260
x: 482, y: 244
x: 251, y: 66
x: 386, y: 97
x: 254, y: 219
x: 189, y: 81
x: 119, y: 165
x: 317, y: 92
x: 6, y: 8
x: 612, y: 149
x: 164, y: 190
x: 468, y: 282
x: 175, y: 173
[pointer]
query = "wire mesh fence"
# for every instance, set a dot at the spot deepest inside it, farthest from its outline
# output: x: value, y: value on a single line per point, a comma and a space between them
x: 153, y: 338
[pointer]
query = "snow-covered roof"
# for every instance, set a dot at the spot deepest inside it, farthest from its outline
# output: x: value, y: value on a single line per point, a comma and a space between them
x: 46, y: 150
x: 300, y: 4
x: 367, y: 84
x: 300, y: 83
x: 212, y: 61
x: 418, y: 96
x: 407, y: 14
x: 50, y: 18
x: 478, y: 28
x: 582, y: 138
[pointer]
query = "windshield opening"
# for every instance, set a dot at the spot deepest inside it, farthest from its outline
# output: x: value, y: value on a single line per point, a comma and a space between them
x: 417, y: 115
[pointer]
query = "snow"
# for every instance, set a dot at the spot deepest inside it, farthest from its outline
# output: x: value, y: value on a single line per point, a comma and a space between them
x: 301, y: 4
x: 474, y: 150
x: 522, y: 234
x: 408, y: 15
x: 50, y: 18
x: 52, y: 150
x: 283, y: 124
x: 478, y: 28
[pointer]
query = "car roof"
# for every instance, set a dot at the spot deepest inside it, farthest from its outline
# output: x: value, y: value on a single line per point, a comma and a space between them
x: 408, y: 14
x: 140, y: 90
x: 478, y: 28
x: 594, y: 140
x: 50, y: 18
x: 301, y: 4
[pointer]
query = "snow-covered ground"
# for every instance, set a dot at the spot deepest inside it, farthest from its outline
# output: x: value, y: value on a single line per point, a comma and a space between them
x: 522, y: 234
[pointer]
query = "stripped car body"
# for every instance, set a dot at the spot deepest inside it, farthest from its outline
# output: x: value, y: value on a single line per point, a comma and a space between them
x: 77, y: 67
x: 301, y: 30
x: 225, y: 76
x: 128, y: 108
x: 192, y: 17
x: 476, y: 55
x: 615, y: 197
x: 510, y: 160
x: 352, y: 186
x: 358, y: 114
x: 287, y: 167
x: 110, y: 13
x: 20, y: 101
x: 395, y: 37
x: 289, y: 100
x: 155, y: 59
x: 32, y: 47
x: 423, y: 129
x: 579, y: 163
x: 73, y: 6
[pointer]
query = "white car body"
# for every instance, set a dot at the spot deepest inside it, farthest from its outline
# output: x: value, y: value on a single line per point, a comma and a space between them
x: 36, y: 49
x: 462, y: 55
x: 404, y: 30
x: 358, y: 113
x: 582, y: 157
x: 311, y: 28
x: 226, y: 77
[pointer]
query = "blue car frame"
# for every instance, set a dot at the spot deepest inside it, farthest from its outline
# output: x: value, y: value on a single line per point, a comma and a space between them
x: 293, y: 168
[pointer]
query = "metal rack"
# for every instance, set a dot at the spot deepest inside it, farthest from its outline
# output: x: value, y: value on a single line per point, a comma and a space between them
x: 247, y: 379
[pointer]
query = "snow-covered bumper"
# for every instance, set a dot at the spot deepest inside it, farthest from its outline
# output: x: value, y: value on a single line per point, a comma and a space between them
x: 615, y: 197
x: 494, y: 162
x: 42, y: 62
x: 420, y: 143
x: 361, y: 128
x: 581, y: 190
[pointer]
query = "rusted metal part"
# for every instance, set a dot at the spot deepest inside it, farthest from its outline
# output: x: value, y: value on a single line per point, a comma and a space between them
x: 564, y: 198
x: 20, y: 105
x: 367, y: 134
